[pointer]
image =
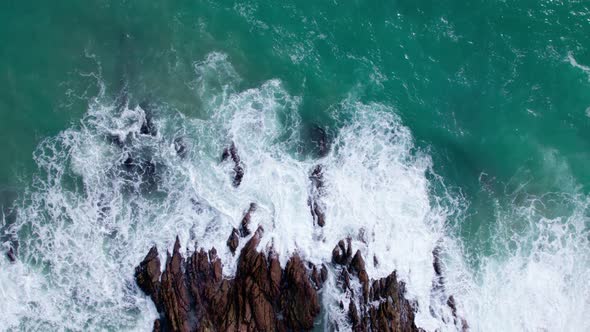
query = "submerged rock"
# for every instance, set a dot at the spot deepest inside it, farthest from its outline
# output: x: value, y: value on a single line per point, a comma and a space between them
x: 320, y: 140
x: 193, y: 295
x: 180, y: 147
x: 141, y: 169
x: 147, y: 127
x: 438, y: 286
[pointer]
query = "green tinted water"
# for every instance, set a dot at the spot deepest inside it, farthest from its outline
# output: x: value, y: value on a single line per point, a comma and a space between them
x: 487, y: 85
x: 496, y: 92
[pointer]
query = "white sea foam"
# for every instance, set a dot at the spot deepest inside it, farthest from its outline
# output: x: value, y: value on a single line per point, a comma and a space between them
x: 574, y: 63
x: 537, y: 280
x: 87, y: 220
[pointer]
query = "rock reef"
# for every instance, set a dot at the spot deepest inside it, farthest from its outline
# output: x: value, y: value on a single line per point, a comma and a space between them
x: 193, y: 295
x: 381, y: 305
x: 238, y: 169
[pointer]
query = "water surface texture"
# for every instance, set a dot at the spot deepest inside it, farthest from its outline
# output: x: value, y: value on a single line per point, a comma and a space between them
x: 457, y: 125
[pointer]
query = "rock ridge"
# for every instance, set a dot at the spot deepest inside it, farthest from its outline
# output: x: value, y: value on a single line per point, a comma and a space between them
x: 193, y: 295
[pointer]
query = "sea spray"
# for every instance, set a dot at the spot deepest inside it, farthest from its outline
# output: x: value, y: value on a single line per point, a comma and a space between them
x: 537, y: 277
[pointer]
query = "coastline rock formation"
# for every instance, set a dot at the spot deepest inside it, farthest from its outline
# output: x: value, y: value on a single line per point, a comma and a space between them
x: 379, y: 305
x: 234, y: 239
x: 232, y: 152
x: 193, y: 295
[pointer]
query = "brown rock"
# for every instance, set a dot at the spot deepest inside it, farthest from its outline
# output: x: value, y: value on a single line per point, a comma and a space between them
x: 261, y: 297
x: 353, y: 314
x: 147, y: 275
x: 342, y: 252
x: 244, y: 230
x: 157, y: 326
x: 232, y: 152
x: 324, y: 273
x: 233, y: 241
x: 299, y: 299
x: 174, y: 292
x: 382, y: 306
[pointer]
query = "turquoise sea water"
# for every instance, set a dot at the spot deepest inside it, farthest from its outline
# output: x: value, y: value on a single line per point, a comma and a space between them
x: 494, y: 94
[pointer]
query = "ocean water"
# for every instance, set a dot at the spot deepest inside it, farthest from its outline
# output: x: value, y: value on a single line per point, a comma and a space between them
x: 461, y: 127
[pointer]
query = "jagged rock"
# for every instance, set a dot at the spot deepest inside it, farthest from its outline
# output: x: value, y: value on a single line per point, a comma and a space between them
x: 233, y: 241
x: 324, y: 273
x: 261, y: 297
x: 147, y: 275
x: 452, y: 305
x: 318, y: 276
x: 353, y: 313
x: 232, y: 152
x: 299, y: 299
x: 382, y: 306
x: 358, y: 265
x: 11, y: 255
x: 317, y: 190
x: 342, y: 252
x: 244, y: 230
x: 174, y: 292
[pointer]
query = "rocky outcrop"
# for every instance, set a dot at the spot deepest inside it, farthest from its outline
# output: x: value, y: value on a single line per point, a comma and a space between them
x: 314, y: 201
x: 378, y: 305
x: 11, y: 255
x: 244, y: 225
x: 234, y: 239
x: 147, y: 275
x: 193, y: 295
x: 232, y: 153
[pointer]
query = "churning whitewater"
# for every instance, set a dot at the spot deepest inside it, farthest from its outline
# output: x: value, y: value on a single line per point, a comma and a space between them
x: 111, y: 187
